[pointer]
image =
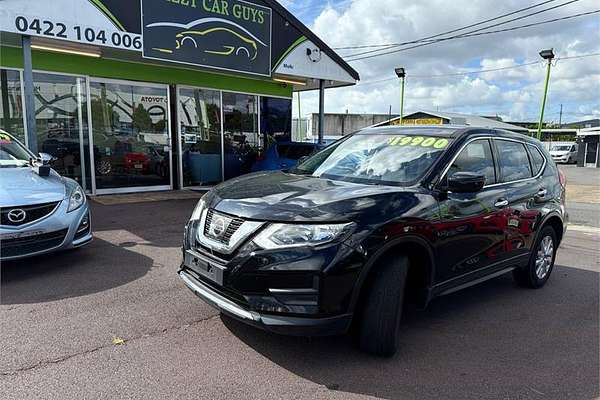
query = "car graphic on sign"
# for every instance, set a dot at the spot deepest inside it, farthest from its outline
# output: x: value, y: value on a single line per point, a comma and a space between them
x: 216, y: 36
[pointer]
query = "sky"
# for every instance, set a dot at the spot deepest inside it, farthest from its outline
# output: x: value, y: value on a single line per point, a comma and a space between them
x: 513, y: 94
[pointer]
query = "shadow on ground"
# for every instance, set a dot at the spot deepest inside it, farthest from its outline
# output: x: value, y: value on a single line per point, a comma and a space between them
x: 94, y: 268
x: 159, y: 223
x: 494, y: 340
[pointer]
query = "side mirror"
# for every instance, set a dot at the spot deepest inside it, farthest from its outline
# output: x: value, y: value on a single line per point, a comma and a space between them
x: 46, y: 158
x: 302, y: 159
x: 465, y: 182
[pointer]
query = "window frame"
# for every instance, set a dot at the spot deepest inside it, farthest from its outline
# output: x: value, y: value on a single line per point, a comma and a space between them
x: 463, y: 148
x: 492, y: 139
x: 531, y: 174
x: 530, y: 148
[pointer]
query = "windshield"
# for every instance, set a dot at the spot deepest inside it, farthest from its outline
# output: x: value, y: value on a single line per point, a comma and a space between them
x: 561, y: 147
x: 376, y: 158
x: 12, y: 153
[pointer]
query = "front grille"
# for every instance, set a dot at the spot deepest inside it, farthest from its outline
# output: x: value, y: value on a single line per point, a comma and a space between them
x: 233, y: 225
x: 32, y: 213
x: 31, y: 244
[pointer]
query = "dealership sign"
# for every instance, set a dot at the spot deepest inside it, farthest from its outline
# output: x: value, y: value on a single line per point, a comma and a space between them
x: 232, y: 35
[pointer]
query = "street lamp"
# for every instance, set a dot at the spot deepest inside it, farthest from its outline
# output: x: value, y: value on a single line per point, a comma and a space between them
x: 546, y: 55
x: 401, y: 73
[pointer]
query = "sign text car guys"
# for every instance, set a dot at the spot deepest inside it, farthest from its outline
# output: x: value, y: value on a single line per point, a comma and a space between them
x: 226, y: 34
x: 240, y: 11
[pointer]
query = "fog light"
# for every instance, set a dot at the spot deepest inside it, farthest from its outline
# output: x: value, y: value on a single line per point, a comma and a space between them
x: 85, y: 223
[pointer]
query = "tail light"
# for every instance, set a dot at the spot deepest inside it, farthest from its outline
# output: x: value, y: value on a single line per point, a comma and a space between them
x: 562, y: 179
x: 260, y: 157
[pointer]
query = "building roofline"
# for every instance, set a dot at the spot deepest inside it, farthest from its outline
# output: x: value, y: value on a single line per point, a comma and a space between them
x: 312, y: 37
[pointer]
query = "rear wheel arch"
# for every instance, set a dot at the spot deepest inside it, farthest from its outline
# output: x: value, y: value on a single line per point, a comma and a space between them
x: 557, y: 224
x: 421, y: 270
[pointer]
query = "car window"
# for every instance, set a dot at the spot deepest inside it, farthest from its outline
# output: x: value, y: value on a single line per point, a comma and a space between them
x: 537, y: 160
x: 476, y: 157
x: 573, y: 148
x: 12, y: 153
x: 513, y: 161
x: 295, y: 152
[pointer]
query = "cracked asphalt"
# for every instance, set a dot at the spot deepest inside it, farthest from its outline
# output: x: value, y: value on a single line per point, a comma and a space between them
x: 61, y: 313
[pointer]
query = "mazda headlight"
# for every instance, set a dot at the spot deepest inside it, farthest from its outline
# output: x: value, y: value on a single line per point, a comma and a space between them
x: 292, y: 235
x: 200, y: 206
x: 76, y: 199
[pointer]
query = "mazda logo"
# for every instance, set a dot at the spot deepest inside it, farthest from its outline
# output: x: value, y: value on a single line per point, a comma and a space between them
x: 218, y: 226
x: 17, y: 215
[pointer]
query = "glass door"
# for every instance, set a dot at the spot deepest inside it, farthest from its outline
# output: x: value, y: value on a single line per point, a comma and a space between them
x: 199, y: 116
x: 131, y: 136
x: 591, y: 154
x: 242, y: 142
x: 61, y: 123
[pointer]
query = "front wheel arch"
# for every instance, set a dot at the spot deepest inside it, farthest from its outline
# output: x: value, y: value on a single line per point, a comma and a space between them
x: 421, y: 269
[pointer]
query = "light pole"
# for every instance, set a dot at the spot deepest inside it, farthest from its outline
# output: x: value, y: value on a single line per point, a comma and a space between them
x: 546, y: 55
x: 401, y: 73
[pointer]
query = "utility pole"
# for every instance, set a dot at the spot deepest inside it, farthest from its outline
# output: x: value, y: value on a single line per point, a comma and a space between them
x: 401, y: 73
x: 560, y: 117
x: 549, y: 56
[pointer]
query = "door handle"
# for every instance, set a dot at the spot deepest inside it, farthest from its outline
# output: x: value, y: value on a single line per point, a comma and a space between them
x: 542, y: 192
x: 501, y: 203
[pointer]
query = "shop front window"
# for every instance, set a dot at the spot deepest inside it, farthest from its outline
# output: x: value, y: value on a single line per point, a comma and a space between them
x: 11, y: 103
x: 200, y: 135
x: 130, y: 135
x: 243, y: 144
x: 61, y: 123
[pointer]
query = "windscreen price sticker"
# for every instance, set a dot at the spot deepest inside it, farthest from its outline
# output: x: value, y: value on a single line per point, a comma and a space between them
x: 75, y: 32
x: 423, y: 141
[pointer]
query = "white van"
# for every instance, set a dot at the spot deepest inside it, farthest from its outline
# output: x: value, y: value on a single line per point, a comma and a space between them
x: 564, y: 152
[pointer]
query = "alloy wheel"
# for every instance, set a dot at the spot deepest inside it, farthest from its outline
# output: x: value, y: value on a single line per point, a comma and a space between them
x: 545, y: 254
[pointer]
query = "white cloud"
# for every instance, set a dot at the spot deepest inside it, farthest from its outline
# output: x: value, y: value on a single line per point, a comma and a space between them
x: 513, y: 93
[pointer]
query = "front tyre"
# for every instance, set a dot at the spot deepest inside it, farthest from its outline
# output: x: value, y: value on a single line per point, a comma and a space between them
x: 541, y: 262
x: 382, y: 308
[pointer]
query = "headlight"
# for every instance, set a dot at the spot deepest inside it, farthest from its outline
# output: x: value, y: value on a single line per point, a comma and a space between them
x: 198, y: 210
x: 291, y: 235
x: 76, y: 199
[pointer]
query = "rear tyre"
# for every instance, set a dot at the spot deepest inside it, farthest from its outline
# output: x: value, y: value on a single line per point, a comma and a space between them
x: 382, y: 308
x: 541, y: 262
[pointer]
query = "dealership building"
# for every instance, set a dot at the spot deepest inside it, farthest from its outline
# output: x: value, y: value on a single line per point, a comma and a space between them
x: 144, y: 95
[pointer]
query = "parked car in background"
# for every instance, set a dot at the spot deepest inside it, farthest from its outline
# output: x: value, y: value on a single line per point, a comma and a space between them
x: 564, y: 152
x: 40, y: 211
x: 285, y: 155
x: 380, y: 217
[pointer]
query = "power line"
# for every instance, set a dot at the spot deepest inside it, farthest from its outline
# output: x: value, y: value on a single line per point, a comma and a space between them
x: 466, y: 73
x: 447, y: 32
x: 479, y: 34
x: 472, y: 31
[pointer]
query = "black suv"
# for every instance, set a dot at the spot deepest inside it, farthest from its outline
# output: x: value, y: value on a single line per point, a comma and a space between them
x: 379, y: 217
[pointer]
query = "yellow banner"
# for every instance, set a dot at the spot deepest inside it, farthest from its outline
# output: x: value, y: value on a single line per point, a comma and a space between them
x: 419, y: 121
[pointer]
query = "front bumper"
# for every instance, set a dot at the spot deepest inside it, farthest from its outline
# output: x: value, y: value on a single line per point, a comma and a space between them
x: 288, y: 325
x: 58, y: 231
x: 560, y: 159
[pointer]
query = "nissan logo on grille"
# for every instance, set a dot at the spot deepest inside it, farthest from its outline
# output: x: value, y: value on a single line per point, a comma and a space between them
x: 219, y: 225
x: 16, y: 215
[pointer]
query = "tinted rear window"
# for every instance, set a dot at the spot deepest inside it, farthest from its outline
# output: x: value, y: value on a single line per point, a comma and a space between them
x: 537, y: 160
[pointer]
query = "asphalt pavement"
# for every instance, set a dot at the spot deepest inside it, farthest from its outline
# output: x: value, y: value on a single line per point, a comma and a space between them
x: 63, y: 317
